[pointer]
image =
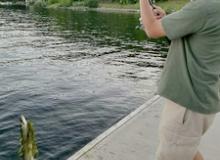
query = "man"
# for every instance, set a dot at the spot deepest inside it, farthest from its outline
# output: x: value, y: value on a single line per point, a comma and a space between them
x: 190, y: 81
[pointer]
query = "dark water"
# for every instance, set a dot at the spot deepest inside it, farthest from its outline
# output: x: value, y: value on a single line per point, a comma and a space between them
x: 73, y: 73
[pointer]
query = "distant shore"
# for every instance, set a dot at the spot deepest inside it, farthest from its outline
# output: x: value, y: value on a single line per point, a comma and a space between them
x: 169, y: 6
x: 100, y: 9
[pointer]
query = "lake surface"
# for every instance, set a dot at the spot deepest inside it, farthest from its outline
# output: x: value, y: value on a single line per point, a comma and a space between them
x: 73, y: 73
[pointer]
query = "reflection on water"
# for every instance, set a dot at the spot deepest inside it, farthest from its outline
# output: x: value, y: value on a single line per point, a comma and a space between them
x: 73, y: 73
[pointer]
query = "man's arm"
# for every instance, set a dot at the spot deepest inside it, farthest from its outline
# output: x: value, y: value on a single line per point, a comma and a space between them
x: 152, y: 25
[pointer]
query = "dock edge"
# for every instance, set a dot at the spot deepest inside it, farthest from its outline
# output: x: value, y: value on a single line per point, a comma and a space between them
x: 102, y: 136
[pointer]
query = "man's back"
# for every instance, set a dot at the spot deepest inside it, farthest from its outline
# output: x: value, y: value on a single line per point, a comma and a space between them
x: 191, y: 74
x: 190, y: 80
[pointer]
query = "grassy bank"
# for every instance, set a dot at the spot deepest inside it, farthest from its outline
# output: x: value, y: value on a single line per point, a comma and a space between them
x: 118, y: 5
x: 172, y: 4
x: 167, y: 5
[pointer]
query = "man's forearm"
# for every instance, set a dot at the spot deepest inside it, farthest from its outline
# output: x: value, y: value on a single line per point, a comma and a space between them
x: 147, y: 16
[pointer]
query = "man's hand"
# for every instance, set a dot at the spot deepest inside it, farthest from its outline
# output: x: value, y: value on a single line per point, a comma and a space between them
x: 158, y: 12
x: 152, y: 26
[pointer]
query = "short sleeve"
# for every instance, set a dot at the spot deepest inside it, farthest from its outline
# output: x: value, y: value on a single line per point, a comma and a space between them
x: 190, y: 19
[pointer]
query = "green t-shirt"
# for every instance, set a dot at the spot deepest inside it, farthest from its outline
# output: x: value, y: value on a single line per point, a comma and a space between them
x: 191, y: 75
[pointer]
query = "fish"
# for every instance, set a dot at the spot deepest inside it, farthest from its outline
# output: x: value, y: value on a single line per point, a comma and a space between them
x: 28, y: 147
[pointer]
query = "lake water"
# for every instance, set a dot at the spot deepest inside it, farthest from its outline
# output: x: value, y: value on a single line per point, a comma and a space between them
x: 73, y: 73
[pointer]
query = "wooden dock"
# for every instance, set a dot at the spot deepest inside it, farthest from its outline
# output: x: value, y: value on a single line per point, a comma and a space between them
x: 135, y: 137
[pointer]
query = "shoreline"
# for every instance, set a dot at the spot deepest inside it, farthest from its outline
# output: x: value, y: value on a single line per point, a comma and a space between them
x: 99, y: 9
x: 168, y: 6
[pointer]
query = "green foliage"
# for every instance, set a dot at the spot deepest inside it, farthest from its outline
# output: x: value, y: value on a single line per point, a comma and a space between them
x: 128, y: 1
x: 133, y: 1
x: 123, y: 1
x: 62, y: 3
x: 40, y: 3
x: 49, y: 2
x: 91, y: 3
x: 77, y: 0
x: 65, y: 3
x: 161, y: 0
